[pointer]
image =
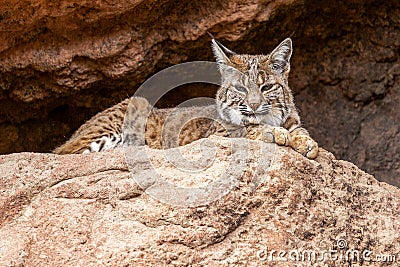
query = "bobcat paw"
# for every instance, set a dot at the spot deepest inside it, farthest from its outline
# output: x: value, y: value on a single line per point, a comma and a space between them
x: 260, y: 133
x: 281, y: 136
x: 305, y: 145
x: 269, y: 134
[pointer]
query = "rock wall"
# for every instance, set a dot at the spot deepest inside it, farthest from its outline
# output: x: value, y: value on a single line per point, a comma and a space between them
x: 63, y: 61
x: 87, y: 210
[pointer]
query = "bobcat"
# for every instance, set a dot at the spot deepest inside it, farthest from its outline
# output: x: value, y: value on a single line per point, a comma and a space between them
x: 253, y: 101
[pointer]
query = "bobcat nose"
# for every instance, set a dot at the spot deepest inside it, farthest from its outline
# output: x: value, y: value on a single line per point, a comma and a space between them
x: 254, y: 106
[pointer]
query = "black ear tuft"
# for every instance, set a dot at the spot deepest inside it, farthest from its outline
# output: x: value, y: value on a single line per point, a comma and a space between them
x: 212, y: 36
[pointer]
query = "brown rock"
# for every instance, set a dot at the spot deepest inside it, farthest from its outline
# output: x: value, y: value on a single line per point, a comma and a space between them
x: 87, y: 210
x: 63, y: 61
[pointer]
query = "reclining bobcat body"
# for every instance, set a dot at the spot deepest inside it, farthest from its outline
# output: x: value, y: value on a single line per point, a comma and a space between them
x: 253, y: 101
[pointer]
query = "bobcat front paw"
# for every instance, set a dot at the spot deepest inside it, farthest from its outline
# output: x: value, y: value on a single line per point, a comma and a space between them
x: 269, y: 134
x: 281, y: 136
x: 305, y: 145
x: 258, y: 132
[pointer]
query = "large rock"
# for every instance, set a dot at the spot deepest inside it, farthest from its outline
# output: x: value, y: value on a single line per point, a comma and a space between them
x: 87, y: 210
x: 63, y: 61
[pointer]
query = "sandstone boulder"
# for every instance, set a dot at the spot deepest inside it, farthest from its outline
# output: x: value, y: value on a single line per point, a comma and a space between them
x: 88, y: 210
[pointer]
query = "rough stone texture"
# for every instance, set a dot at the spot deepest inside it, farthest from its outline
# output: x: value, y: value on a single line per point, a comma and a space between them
x: 86, y: 210
x: 63, y: 61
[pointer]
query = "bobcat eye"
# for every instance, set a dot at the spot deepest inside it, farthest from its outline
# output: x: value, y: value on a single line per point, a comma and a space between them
x: 266, y: 88
x: 240, y: 89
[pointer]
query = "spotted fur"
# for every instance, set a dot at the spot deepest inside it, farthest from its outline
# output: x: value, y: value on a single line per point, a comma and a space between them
x: 100, y: 133
x: 254, y: 101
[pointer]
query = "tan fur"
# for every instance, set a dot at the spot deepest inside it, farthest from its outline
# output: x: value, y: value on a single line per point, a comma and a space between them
x: 254, y: 101
x: 109, y: 120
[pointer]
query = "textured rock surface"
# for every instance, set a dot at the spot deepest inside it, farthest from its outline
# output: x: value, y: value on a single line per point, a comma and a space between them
x: 86, y: 210
x: 62, y: 61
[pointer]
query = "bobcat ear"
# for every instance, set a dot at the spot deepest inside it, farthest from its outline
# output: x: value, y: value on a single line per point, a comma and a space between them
x: 280, y: 58
x: 221, y: 53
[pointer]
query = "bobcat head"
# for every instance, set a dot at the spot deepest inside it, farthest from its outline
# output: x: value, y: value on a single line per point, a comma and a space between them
x: 254, y: 88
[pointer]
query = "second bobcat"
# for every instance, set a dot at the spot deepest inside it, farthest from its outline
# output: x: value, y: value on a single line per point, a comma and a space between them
x: 253, y: 101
